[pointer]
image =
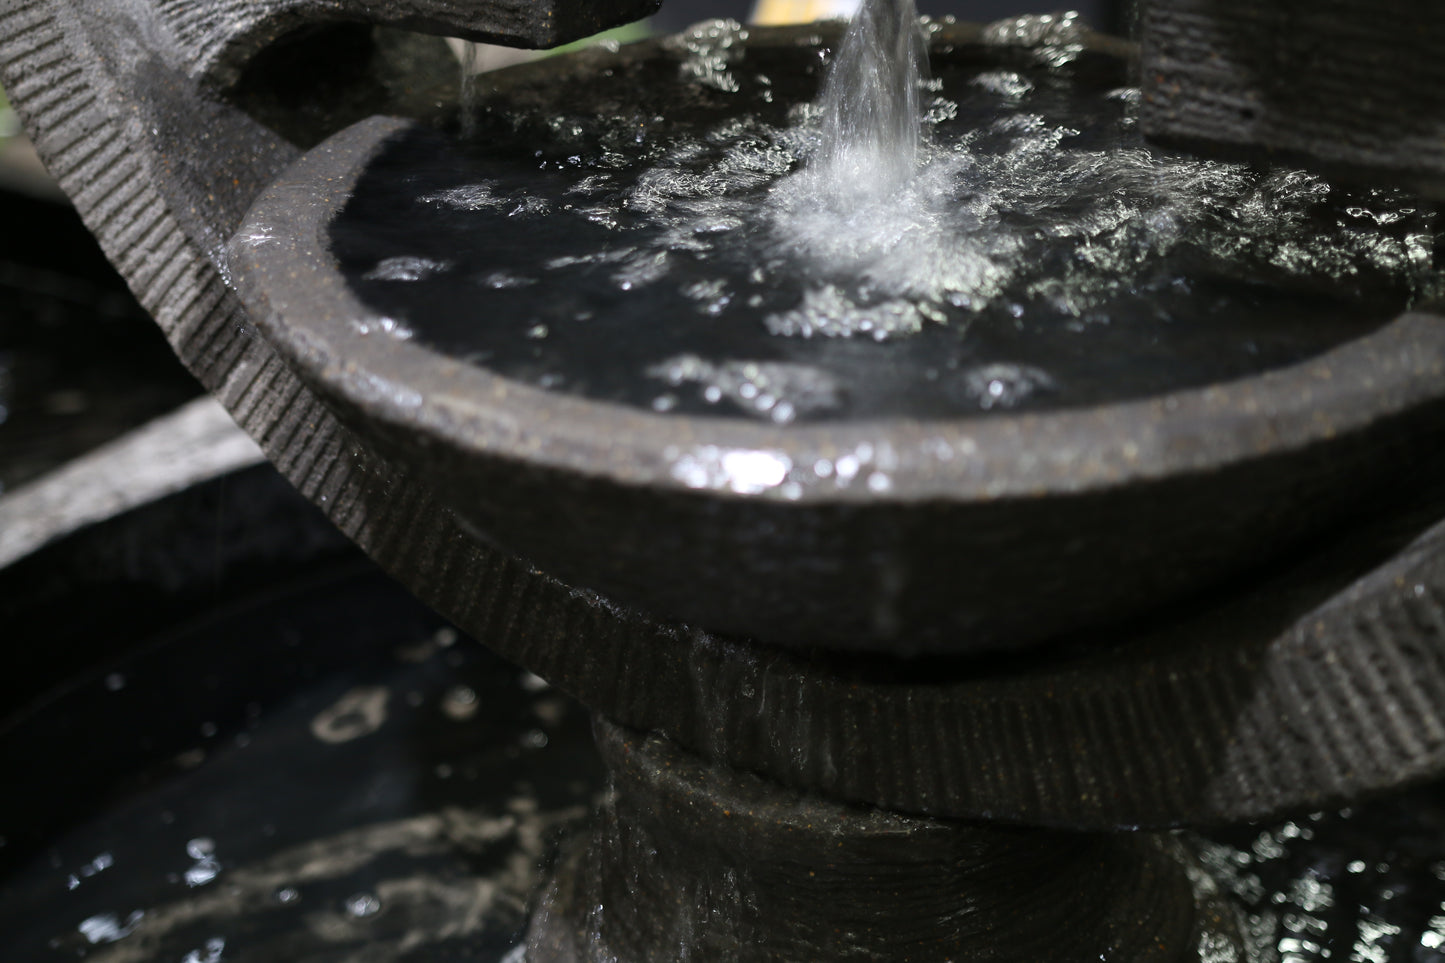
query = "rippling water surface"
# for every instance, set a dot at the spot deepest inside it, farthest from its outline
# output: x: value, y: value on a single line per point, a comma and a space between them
x: 713, y: 229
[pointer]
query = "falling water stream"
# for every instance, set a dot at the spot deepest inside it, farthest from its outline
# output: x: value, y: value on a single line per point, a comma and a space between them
x: 871, y: 116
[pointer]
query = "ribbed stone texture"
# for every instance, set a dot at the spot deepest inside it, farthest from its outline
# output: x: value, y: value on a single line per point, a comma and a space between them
x: 1354, y: 85
x: 219, y: 37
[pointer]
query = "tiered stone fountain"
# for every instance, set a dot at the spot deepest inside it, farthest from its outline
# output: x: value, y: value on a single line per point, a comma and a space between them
x: 905, y: 718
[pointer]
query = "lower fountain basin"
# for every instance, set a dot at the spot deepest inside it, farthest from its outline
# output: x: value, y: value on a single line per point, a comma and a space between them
x: 902, y: 529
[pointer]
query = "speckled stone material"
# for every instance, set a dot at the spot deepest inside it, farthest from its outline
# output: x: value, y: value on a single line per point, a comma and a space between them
x: 1356, y: 87
x: 730, y: 867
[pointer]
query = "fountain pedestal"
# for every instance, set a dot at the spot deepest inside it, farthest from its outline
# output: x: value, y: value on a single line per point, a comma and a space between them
x: 696, y: 861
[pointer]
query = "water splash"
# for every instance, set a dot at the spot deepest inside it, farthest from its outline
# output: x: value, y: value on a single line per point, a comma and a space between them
x: 864, y: 206
x: 872, y: 118
x: 710, y: 49
x: 1054, y: 39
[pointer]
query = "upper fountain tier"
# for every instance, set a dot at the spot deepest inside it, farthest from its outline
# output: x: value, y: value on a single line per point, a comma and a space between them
x: 1290, y: 693
x: 608, y: 338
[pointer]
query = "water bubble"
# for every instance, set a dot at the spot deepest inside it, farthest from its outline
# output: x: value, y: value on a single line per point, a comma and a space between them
x: 363, y: 905
x: 774, y: 391
x: 382, y: 325
x: 286, y: 894
x: 502, y: 280
x: 827, y: 312
x: 472, y: 197
x: 210, y: 953
x: 1004, y: 83
x: 529, y: 206
x: 206, y: 867
x: 405, y: 268
x: 108, y: 927
x: 1005, y: 385
x: 1056, y: 39
x: 359, y: 712
x: 709, y: 49
x: 99, y: 864
x: 460, y: 703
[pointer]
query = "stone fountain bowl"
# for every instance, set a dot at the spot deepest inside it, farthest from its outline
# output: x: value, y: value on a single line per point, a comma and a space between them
x: 906, y: 536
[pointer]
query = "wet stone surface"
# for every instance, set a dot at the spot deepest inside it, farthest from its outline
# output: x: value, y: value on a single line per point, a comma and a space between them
x: 647, y: 231
x: 80, y: 361
x: 289, y: 781
x: 1365, y: 884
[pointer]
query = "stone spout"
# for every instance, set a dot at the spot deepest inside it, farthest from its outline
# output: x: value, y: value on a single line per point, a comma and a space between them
x: 216, y: 39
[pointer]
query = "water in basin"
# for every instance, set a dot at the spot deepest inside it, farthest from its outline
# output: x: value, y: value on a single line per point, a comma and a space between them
x: 678, y: 232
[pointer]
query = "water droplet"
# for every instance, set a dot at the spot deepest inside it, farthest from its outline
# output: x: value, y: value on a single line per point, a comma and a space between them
x: 405, y: 269
x: 460, y: 703
x: 108, y: 927
x: 359, y: 712
x: 203, y: 872
x: 363, y: 905
x: 1005, y: 385
x: 211, y: 953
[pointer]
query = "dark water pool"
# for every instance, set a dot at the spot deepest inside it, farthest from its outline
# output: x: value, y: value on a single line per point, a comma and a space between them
x: 638, y: 231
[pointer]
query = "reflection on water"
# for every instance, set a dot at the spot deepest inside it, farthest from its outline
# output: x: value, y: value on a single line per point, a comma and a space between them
x: 290, y: 783
x: 204, y: 818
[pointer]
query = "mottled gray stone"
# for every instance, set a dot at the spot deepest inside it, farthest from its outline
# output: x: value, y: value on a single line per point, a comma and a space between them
x: 1356, y: 87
